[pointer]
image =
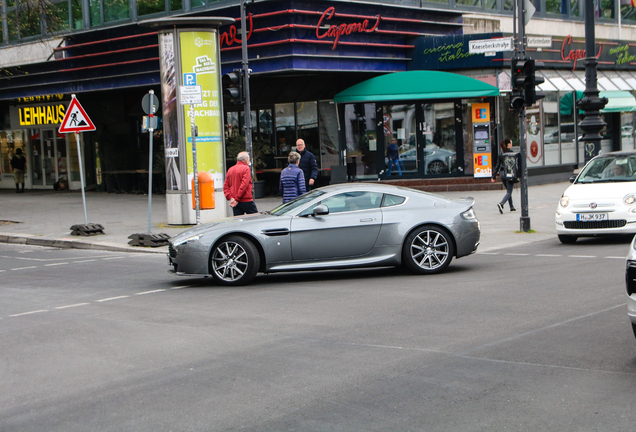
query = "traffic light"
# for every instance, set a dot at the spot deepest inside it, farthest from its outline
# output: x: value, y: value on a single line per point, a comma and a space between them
x: 518, y: 83
x: 524, y: 80
x: 531, y: 93
x: 233, y: 86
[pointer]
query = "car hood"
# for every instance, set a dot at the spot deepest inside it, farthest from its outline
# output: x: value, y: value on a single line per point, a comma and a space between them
x: 600, y: 191
x: 245, y: 220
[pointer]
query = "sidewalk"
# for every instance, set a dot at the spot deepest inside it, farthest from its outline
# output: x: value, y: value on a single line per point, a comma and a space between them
x: 44, y: 217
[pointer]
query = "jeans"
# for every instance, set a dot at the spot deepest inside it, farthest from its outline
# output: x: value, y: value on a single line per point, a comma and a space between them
x: 508, y: 196
x: 244, y: 208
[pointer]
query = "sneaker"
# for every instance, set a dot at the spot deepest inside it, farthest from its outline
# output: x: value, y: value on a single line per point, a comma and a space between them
x: 513, y: 209
x: 500, y: 207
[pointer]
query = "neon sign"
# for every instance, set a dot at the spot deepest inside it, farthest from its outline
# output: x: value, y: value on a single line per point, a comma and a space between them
x: 229, y: 37
x: 575, y: 55
x: 343, y: 29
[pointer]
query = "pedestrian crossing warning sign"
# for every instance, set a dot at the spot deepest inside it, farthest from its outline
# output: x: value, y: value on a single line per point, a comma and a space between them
x: 76, y: 119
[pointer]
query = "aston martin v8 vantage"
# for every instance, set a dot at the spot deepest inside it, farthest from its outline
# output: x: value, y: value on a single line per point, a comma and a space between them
x: 334, y: 227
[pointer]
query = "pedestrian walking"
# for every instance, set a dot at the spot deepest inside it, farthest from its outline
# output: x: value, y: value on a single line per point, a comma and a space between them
x: 307, y: 164
x: 507, y: 173
x: 18, y: 164
x: 292, y: 179
x: 238, y: 186
x: 393, y: 155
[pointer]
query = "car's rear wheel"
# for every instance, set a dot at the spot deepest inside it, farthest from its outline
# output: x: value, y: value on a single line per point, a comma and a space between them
x: 234, y: 261
x: 436, y: 167
x: 429, y: 249
x: 567, y: 239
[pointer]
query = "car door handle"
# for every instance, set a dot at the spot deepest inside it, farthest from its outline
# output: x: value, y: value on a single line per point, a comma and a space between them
x: 366, y: 220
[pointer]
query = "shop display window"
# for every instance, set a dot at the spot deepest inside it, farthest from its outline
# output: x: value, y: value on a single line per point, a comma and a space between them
x: 10, y: 140
x: 361, y: 141
x: 328, y: 122
x: 551, y: 130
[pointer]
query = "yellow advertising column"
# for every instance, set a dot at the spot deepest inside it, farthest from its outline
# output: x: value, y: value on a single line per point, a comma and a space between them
x: 190, y: 47
x: 482, y: 142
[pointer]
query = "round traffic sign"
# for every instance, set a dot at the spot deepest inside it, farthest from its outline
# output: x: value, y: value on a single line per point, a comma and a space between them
x: 150, y: 103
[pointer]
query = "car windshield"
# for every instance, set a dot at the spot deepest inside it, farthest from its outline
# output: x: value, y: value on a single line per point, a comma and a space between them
x: 292, y: 205
x: 609, y: 169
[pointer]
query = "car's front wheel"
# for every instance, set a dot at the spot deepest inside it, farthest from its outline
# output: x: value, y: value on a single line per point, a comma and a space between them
x: 428, y: 250
x: 567, y: 239
x: 234, y: 261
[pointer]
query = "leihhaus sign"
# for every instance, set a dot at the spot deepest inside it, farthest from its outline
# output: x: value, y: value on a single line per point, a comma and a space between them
x: 28, y: 116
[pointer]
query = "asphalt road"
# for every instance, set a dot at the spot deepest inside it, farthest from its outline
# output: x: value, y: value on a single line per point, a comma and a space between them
x: 532, y: 338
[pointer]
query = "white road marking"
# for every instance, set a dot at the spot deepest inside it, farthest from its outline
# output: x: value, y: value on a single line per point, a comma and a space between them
x: 55, y: 264
x: 612, y: 257
x: 149, y: 292
x: 90, y: 260
x: 548, y: 255
x: 112, y: 258
x: 488, y: 253
x: 180, y: 287
x: 516, y: 254
x: 2, y: 271
x: 73, y: 305
x: 28, y: 313
x: 24, y: 268
x: 111, y: 298
x: 581, y: 256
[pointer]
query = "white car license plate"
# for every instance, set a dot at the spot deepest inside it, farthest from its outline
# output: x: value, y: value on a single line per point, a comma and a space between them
x: 591, y: 216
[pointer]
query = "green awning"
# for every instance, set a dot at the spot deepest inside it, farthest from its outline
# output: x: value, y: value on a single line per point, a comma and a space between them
x: 416, y: 85
x: 618, y: 101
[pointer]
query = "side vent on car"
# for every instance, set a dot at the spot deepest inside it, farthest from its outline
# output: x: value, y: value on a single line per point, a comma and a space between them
x: 276, y: 232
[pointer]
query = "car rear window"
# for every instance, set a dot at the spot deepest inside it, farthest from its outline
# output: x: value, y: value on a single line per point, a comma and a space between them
x: 392, y: 200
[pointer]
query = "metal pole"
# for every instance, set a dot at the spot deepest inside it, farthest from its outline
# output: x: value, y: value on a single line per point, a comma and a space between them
x: 591, y: 103
x: 193, y: 133
x: 150, y: 129
x: 524, y: 220
x: 81, y: 169
x: 246, y: 87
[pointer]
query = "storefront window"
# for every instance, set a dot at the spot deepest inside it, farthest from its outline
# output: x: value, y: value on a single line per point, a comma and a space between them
x: 29, y: 19
x: 95, y: 9
x: 361, y: 141
x: 556, y: 7
x: 400, y: 140
x: 176, y: 5
x: 627, y: 131
x: 285, y: 130
x: 10, y: 141
x: 551, y: 130
x: 475, y: 3
x: 567, y: 128
x: 307, y: 121
x: 441, y: 142
x: 575, y: 8
x: 197, y: 3
x: 73, y: 158
x: 329, y: 151
x: 605, y: 8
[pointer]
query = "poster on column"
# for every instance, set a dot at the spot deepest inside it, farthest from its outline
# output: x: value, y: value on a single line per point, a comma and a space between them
x: 199, y: 56
x: 170, y: 111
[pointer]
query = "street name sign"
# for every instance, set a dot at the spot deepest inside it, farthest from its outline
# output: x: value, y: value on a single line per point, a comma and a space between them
x: 484, y: 46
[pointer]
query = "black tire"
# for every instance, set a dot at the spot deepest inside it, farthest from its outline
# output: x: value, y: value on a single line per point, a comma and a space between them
x: 427, y: 250
x: 234, y: 261
x: 567, y: 239
x: 436, y: 167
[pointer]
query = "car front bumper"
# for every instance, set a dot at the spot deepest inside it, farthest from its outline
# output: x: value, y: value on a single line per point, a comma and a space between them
x: 620, y: 221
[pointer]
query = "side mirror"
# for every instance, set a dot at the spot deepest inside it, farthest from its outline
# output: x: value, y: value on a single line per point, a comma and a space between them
x: 572, y: 179
x: 320, y: 210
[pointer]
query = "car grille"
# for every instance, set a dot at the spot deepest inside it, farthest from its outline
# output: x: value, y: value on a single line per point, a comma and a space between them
x: 171, y: 251
x: 617, y: 223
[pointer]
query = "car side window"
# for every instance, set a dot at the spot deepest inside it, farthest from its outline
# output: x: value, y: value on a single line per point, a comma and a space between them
x: 392, y: 200
x: 349, y: 201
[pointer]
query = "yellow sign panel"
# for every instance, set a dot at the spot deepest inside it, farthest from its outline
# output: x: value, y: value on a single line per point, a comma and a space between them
x: 481, y: 112
x: 41, y: 115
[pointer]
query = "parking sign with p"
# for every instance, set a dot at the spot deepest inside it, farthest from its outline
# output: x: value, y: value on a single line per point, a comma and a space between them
x: 189, y: 79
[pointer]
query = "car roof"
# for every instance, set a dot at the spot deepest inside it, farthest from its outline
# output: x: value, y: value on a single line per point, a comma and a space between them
x: 377, y: 187
x: 621, y: 153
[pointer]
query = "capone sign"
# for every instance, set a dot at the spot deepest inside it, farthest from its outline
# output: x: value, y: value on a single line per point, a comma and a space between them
x: 334, y: 32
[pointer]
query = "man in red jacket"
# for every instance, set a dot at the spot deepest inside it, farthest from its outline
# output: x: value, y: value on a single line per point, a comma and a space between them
x: 238, y: 186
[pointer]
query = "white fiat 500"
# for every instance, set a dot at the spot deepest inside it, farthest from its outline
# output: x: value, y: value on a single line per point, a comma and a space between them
x: 630, y: 282
x: 601, y: 200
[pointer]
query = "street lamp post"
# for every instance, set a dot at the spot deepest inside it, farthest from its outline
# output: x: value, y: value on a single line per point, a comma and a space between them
x: 591, y: 104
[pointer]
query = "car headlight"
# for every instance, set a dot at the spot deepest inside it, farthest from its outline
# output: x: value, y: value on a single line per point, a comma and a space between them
x: 469, y: 214
x: 188, y: 240
x: 564, y: 201
x: 629, y: 199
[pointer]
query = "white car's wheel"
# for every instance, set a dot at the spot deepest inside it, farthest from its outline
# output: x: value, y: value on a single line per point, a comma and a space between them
x: 234, y: 261
x: 428, y: 249
x: 567, y: 239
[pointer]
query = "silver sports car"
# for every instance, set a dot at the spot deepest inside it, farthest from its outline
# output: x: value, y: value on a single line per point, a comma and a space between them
x: 334, y: 227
